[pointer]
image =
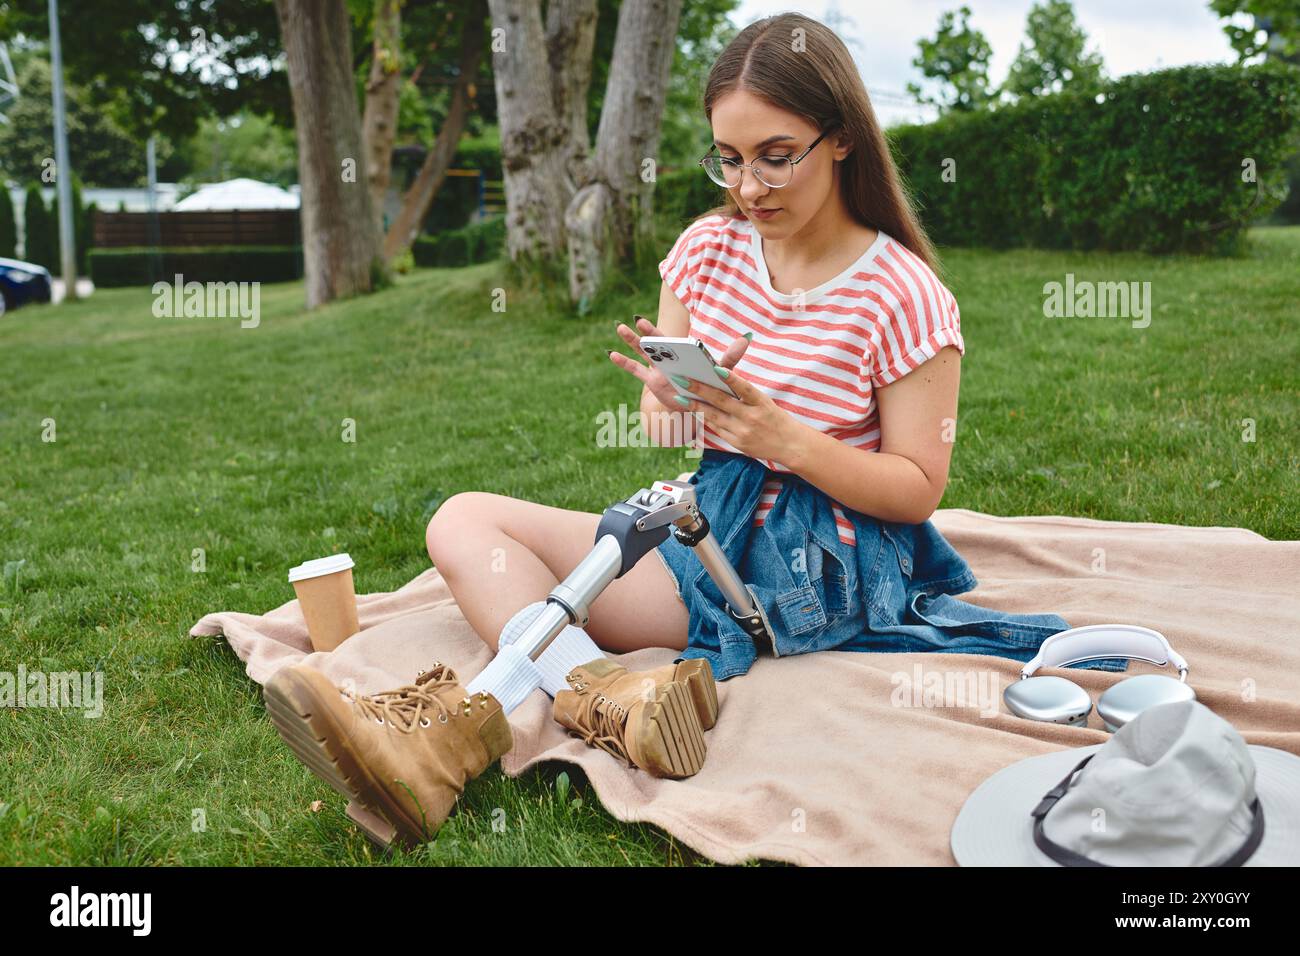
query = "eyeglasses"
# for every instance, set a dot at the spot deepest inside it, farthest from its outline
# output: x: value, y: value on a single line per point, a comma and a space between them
x: 772, y: 171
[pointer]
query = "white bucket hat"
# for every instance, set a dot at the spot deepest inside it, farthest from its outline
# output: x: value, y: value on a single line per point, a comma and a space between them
x: 1176, y: 786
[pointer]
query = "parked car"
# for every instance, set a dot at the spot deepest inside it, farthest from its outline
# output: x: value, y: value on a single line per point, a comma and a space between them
x: 23, y: 282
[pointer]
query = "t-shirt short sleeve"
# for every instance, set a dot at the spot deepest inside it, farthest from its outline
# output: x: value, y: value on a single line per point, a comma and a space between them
x: 918, y: 320
x: 680, y: 266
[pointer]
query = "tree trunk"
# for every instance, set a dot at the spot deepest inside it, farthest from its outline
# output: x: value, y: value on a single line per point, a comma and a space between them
x: 616, y: 200
x: 340, y: 245
x: 586, y: 222
x: 379, y: 120
x: 570, y: 37
x: 416, y: 200
x: 534, y: 138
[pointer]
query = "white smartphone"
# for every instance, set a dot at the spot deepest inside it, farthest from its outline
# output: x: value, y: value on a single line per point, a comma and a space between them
x: 685, y: 357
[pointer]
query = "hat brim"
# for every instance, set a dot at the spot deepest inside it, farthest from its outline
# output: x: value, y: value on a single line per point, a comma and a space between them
x: 994, y: 826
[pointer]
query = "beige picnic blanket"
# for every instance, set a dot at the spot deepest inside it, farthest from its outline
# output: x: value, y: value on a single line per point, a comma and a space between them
x: 847, y: 758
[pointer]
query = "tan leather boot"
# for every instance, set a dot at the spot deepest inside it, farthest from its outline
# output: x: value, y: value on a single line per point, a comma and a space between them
x: 402, y: 756
x: 653, y: 719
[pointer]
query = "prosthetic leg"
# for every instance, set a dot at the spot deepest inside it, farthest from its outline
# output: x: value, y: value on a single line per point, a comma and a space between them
x: 402, y: 757
x: 627, y: 532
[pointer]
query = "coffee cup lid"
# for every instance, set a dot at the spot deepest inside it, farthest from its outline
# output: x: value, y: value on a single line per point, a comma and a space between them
x: 319, y: 567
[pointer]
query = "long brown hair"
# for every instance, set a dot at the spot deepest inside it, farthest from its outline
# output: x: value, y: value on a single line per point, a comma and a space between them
x: 813, y: 75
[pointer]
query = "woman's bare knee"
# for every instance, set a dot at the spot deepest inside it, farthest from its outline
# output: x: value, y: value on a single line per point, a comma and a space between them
x: 463, y: 511
x: 639, y: 609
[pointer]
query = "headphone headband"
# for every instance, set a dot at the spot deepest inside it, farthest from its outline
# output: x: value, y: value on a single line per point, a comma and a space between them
x: 1097, y: 641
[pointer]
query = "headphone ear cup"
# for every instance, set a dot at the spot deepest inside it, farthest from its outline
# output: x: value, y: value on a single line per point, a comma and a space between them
x: 1048, y: 698
x: 1123, y: 701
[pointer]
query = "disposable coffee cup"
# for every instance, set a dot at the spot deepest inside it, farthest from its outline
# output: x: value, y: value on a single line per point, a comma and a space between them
x: 328, y: 599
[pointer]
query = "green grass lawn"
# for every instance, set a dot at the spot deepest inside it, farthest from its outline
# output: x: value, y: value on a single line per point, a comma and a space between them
x: 181, y: 434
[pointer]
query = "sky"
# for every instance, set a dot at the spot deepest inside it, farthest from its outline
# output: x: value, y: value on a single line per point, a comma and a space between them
x: 1133, y: 36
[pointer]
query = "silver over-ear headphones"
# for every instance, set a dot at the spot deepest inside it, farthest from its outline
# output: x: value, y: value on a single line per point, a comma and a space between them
x: 1061, y: 701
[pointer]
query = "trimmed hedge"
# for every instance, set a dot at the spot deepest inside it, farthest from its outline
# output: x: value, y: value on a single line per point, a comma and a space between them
x: 1155, y: 166
x: 8, y: 224
x: 479, y: 242
x: 40, y: 231
x: 1289, y: 211
x: 138, y: 265
x: 679, y: 197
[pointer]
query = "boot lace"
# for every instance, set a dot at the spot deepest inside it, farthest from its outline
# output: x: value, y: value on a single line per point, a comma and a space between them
x: 410, y: 706
x: 603, y: 727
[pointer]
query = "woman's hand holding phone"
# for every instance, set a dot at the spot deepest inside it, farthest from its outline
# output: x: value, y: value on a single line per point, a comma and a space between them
x: 649, y: 374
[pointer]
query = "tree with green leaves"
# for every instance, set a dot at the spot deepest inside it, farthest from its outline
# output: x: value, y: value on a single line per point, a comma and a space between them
x: 448, y: 53
x: 166, y: 64
x: 463, y: 32
x: 702, y: 34
x: 564, y: 192
x: 171, y: 69
x: 1273, y: 31
x: 246, y: 144
x: 103, y: 153
x: 958, y: 59
x: 1053, y: 55
x: 8, y: 225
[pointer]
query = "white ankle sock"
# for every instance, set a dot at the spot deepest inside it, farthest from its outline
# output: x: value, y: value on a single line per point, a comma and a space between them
x: 509, y: 677
x: 571, y: 647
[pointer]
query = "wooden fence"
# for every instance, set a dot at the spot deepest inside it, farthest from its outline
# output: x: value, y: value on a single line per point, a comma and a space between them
x: 253, y: 227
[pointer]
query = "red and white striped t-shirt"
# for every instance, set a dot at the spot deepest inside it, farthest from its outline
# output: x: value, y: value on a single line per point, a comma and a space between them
x: 819, y: 354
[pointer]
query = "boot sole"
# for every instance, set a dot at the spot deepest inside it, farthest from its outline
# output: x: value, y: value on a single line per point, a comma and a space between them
x: 666, y: 736
x: 312, y: 733
x: 697, y: 675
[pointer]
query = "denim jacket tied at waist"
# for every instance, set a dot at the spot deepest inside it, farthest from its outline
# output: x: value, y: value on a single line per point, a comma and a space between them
x: 890, y: 591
